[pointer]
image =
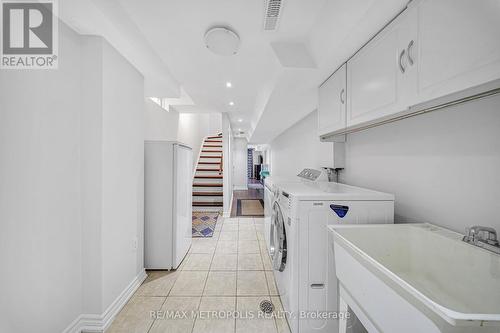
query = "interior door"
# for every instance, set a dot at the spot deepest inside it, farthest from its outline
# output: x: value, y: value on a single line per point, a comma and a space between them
x: 332, y: 103
x: 458, y: 45
x: 183, y: 180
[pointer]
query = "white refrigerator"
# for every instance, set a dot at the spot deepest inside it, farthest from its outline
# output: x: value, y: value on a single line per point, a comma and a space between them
x: 168, y: 184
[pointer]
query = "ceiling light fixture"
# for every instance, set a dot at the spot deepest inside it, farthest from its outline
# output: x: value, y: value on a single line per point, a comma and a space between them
x: 228, y: 84
x: 231, y: 103
x: 222, y: 41
x: 240, y: 120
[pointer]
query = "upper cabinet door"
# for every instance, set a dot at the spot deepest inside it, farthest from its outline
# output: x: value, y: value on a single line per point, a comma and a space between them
x: 376, y: 74
x: 332, y: 103
x: 458, y: 45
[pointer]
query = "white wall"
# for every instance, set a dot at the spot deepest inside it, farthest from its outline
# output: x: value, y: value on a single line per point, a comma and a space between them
x: 193, y: 127
x: 240, y: 163
x: 443, y: 167
x: 71, y: 185
x: 40, y: 225
x: 112, y: 135
x: 298, y: 148
x: 91, y: 137
x: 122, y: 173
x: 188, y: 128
x: 215, y: 123
x: 159, y: 123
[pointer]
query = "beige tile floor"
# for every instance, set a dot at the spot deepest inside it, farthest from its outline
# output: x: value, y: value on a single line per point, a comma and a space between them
x: 229, y: 272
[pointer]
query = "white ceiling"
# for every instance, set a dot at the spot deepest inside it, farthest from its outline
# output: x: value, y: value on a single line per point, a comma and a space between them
x: 268, y: 97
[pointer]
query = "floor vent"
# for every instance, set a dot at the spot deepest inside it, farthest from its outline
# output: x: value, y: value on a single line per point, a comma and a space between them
x: 272, y: 14
x: 267, y: 306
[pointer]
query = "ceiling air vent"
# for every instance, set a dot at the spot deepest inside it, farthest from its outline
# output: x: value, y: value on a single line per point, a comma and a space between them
x: 272, y: 14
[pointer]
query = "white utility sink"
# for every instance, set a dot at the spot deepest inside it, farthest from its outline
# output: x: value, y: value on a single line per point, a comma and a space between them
x: 416, y: 278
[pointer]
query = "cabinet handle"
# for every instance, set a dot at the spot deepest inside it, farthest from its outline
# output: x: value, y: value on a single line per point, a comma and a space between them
x: 342, y: 96
x: 401, y: 67
x: 409, y: 49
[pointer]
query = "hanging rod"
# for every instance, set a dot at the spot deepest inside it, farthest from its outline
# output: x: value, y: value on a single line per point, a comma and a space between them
x: 472, y: 94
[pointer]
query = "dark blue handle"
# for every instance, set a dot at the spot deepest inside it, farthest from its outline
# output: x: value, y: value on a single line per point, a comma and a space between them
x: 341, y: 211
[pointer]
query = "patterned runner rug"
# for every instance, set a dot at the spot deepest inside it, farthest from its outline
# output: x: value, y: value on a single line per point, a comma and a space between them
x: 204, y: 223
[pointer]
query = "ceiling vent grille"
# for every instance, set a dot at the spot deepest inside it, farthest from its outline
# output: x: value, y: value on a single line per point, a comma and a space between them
x: 272, y: 14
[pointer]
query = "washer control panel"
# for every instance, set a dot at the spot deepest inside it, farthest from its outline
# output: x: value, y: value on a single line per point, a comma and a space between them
x: 313, y: 175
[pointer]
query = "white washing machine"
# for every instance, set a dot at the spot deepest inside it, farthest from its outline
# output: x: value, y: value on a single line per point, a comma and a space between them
x: 306, y: 281
x: 271, y: 189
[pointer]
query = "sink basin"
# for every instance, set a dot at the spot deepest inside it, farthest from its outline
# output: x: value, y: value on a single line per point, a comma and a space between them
x: 429, y: 268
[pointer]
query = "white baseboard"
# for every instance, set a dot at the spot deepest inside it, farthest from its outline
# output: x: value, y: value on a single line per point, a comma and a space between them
x: 99, y: 323
x: 240, y: 187
x: 227, y: 214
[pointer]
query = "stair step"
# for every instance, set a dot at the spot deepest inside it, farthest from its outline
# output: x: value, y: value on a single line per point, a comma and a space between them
x: 207, y: 204
x: 208, y: 194
x: 208, y: 180
x: 207, y: 189
x: 209, y: 176
x: 207, y: 199
x: 209, y: 163
x: 207, y: 184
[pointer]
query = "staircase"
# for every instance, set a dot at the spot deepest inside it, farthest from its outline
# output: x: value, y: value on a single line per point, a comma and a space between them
x: 207, y: 182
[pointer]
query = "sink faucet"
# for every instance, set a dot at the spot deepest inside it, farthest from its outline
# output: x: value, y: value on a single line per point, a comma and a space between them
x: 484, y: 237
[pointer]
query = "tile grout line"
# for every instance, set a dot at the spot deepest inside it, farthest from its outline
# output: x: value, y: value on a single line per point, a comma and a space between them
x: 168, y: 293
x: 204, y: 286
x: 265, y: 277
x: 196, y: 316
x: 154, y: 320
x: 237, y: 275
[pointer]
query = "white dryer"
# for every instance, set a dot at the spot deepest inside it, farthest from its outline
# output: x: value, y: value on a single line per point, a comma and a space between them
x: 306, y: 282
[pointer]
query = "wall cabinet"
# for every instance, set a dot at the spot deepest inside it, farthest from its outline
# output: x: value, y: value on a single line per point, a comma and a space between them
x: 379, y: 76
x: 458, y: 45
x: 434, y: 48
x: 332, y: 103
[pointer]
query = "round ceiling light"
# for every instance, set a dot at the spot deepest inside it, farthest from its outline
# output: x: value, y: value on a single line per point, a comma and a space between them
x: 222, y: 41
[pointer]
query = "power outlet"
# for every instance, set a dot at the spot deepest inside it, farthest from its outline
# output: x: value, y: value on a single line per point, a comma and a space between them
x: 134, y: 244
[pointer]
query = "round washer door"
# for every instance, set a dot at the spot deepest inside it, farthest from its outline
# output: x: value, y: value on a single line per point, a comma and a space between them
x: 278, y: 239
x: 273, y: 242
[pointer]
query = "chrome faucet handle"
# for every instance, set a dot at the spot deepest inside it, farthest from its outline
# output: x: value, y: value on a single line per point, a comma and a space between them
x: 467, y: 234
x: 484, y: 234
x: 484, y: 237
